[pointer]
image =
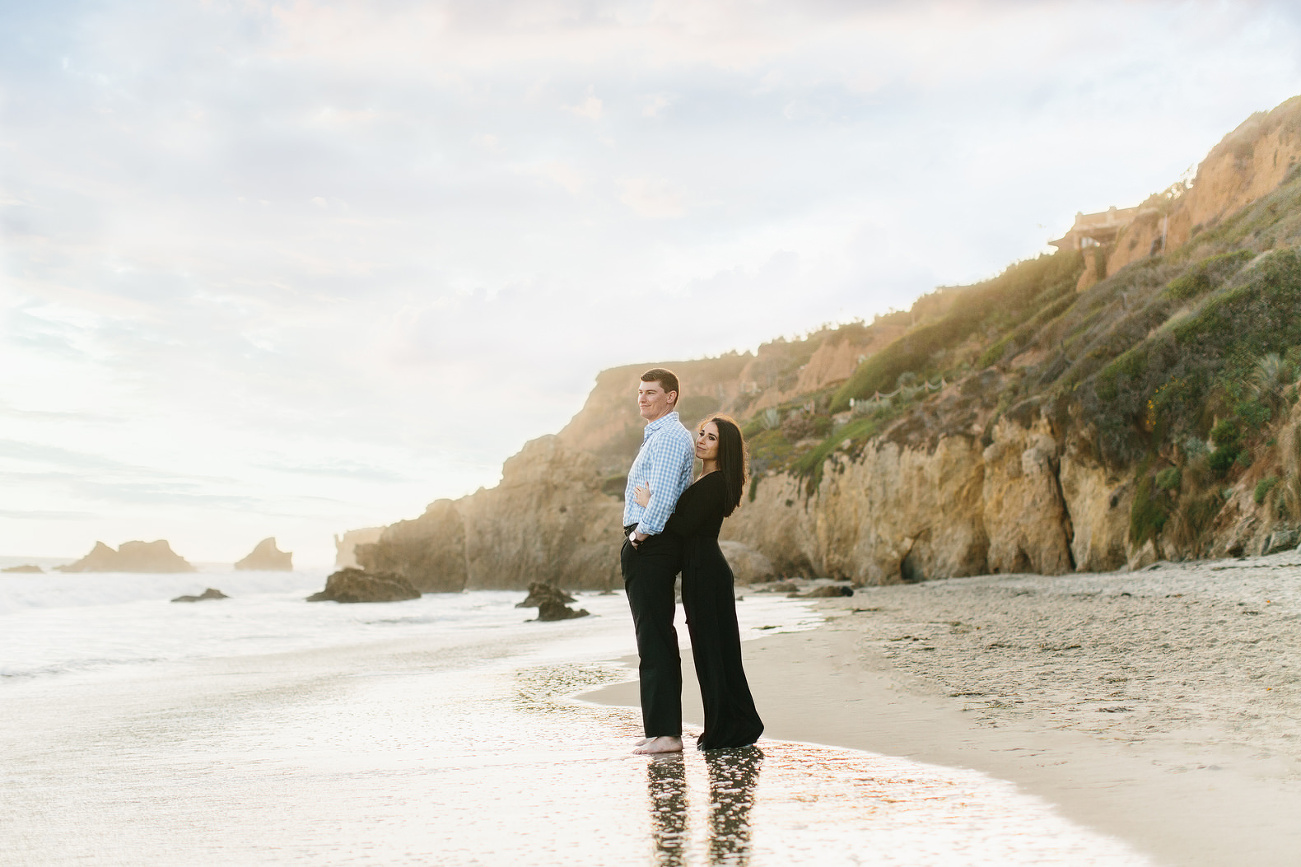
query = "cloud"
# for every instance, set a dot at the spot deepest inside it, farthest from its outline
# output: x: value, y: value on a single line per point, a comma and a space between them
x: 654, y: 198
x: 655, y: 103
x: 38, y: 515
x: 590, y: 107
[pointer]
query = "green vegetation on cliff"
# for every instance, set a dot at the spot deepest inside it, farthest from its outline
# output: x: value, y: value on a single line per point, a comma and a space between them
x: 992, y: 312
x: 1182, y: 365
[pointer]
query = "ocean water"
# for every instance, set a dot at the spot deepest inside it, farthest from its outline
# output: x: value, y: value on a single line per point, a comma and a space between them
x: 447, y: 730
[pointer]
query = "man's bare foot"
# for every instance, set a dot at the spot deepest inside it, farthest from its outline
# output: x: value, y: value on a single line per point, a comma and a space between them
x: 663, y: 744
x: 641, y: 742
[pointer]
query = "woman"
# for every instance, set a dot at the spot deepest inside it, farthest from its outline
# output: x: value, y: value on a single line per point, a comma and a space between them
x: 707, y: 594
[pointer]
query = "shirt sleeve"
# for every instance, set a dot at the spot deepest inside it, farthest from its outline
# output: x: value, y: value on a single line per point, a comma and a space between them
x: 668, y: 454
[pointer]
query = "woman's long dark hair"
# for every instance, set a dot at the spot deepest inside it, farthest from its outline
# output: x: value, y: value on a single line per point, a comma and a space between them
x: 733, y: 460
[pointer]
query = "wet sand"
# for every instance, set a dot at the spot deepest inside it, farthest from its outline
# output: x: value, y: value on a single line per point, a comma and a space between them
x: 1162, y: 707
x: 464, y: 747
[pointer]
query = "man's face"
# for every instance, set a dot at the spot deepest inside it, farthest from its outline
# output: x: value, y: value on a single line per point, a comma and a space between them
x: 653, y: 401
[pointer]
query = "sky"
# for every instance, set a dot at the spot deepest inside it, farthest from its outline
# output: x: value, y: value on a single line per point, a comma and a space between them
x: 291, y: 268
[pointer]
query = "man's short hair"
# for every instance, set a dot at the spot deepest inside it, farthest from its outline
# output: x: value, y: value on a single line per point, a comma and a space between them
x: 666, y: 378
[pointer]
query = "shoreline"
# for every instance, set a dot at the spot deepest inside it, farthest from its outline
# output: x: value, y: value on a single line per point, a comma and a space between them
x: 408, y: 749
x: 1158, y: 707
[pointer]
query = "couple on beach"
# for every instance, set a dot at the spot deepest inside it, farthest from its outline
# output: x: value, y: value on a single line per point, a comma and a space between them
x: 671, y: 525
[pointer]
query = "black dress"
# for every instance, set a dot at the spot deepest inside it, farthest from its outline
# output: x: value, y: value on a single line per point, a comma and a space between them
x: 707, y: 595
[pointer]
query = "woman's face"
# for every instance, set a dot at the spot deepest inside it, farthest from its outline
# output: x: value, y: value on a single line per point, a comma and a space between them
x: 707, y: 442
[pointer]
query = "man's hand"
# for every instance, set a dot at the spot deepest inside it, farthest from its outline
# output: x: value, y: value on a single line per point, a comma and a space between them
x: 636, y: 538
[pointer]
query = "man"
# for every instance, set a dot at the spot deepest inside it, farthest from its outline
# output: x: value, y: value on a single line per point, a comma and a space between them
x: 650, y: 559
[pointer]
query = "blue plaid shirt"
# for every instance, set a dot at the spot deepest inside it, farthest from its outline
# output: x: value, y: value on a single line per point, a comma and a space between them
x: 665, y: 463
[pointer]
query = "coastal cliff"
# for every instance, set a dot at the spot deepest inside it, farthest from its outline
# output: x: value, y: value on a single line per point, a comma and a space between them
x: 1082, y: 411
x: 548, y: 521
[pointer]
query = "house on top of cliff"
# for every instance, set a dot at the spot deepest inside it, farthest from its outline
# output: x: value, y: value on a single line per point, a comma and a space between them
x: 1096, y: 230
x: 1099, y: 232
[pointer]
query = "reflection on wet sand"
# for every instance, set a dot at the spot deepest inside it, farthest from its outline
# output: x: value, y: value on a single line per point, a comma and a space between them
x: 733, y: 776
x: 666, y: 784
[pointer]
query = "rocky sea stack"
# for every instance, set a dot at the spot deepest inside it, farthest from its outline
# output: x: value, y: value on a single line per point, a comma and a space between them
x: 266, y: 557
x: 354, y: 585
x: 131, y: 557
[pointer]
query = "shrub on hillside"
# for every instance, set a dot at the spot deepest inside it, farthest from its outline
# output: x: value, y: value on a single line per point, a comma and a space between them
x: 1263, y: 487
x: 996, y: 306
x: 1200, y: 364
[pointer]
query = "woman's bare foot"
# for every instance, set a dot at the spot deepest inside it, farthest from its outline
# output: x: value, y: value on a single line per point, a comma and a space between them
x: 641, y: 742
x: 662, y: 744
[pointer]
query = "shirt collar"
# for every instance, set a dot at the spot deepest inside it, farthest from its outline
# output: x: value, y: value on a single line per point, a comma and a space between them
x: 659, y: 423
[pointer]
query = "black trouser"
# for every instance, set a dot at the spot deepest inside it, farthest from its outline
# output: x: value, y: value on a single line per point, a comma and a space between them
x: 649, y: 571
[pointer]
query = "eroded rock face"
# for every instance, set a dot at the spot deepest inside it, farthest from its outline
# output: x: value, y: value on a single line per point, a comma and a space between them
x: 748, y: 565
x: 345, y: 546
x: 267, y: 557
x: 131, y: 557
x: 935, y: 504
x: 894, y: 513
x: 921, y: 515
x: 1022, y: 509
x: 428, y: 551
x: 1098, y: 502
x: 354, y: 585
x: 548, y: 521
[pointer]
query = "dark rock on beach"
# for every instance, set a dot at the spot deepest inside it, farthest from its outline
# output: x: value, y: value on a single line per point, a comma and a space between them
x: 540, y: 592
x: 24, y: 570
x: 829, y: 591
x: 210, y: 593
x: 268, y: 558
x: 550, y: 609
x: 354, y: 585
x: 1280, y: 540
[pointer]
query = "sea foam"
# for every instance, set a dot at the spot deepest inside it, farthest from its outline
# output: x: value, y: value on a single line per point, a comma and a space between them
x: 58, y: 624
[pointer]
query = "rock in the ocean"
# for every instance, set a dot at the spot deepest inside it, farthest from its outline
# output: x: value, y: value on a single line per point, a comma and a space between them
x: 131, y: 557
x: 32, y: 570
x: 550, y: 609
x: 267, y: 557
x: 540, y: 592
x: 210, y: 593
x: 354, y: 585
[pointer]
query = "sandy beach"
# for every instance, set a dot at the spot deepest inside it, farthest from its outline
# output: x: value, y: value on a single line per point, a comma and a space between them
x: 1162, y: 707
